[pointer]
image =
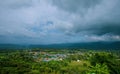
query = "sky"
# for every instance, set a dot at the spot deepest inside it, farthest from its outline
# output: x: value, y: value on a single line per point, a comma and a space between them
x: 59, y: 21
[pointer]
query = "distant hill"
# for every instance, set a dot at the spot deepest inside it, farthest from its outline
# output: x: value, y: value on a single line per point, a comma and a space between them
x: 89, y: 45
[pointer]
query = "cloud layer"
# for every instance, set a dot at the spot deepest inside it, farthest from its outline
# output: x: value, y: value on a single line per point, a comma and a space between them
x: 62, y: 21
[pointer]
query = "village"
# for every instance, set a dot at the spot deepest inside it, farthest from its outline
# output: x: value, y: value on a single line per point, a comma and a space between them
x: 45, y: 56
x: 59, y: 55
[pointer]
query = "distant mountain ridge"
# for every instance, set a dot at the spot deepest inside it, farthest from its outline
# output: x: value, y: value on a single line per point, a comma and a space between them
x: 89, y: 45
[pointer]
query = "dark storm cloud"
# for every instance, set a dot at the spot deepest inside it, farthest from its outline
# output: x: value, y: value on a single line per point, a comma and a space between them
x: 96, y: 16
x: 76, y: 6
x: 101, y: 29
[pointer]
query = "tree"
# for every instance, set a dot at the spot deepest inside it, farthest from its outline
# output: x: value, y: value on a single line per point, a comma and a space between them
x: 106, y: 58
x: 98, y: 69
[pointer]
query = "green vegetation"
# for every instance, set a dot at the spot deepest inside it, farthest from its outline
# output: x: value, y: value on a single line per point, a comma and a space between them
x: 50, y: 61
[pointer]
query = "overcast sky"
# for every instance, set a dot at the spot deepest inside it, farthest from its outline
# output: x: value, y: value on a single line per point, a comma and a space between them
x: 59, y: 21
